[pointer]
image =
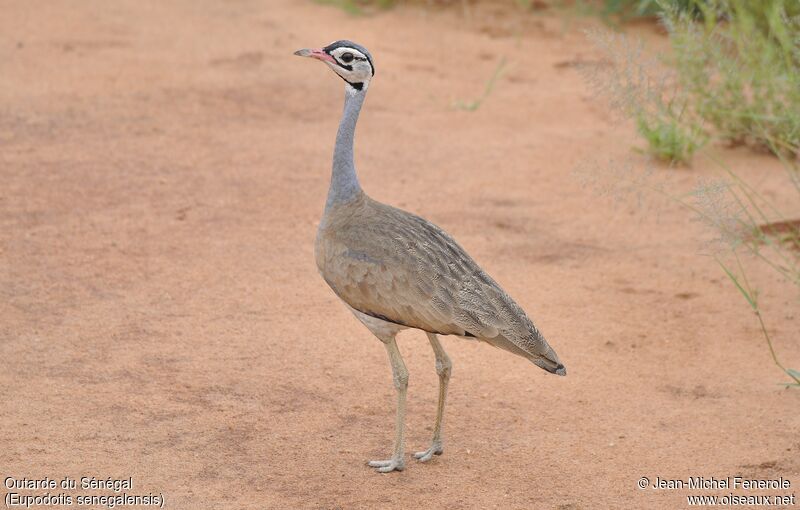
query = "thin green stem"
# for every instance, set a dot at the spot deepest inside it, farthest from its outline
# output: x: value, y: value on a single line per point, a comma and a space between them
x: 752, y: 299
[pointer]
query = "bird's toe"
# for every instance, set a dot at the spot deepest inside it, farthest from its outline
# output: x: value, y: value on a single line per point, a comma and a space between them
x: 390, y: 468
x: 425, y: 456
x: 387, y: 466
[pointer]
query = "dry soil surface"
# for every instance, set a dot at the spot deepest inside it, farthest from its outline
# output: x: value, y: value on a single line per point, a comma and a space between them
x: 164, y: 166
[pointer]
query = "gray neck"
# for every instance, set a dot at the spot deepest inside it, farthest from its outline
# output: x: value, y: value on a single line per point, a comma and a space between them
x: 344, y: 181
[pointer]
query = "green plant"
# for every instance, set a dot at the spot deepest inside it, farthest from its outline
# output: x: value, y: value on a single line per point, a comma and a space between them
x: 750, y: 294
x: 626, y: 9
x: 738, y: 61
x: 745, y: 221
x: 668, y: 139
x: 356, y: 7
x: 747, y: 226
x: 615, y: 11
x: 473, y: 105
x: 641, y: 88
x: 749, y: 222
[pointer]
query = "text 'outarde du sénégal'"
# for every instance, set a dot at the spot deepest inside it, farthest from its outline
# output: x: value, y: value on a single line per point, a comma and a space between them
x: 84, y: 483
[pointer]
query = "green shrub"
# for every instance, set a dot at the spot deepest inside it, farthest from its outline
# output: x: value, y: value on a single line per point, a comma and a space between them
x: 668, y: 139
x: 644, y: 90
x: 356, y: 7
x: 740, y: 78
x: 738, y: 61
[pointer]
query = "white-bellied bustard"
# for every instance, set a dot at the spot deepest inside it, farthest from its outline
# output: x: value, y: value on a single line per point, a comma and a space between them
x: 395, y: 270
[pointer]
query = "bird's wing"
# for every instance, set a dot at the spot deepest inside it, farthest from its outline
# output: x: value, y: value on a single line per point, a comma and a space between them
x: 398, y: 267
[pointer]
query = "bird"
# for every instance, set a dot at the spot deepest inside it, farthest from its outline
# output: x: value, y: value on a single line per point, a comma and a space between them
x: 395, y: 270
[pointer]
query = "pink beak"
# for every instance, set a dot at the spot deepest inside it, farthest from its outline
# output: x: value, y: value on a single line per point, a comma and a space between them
x: 314, y: 53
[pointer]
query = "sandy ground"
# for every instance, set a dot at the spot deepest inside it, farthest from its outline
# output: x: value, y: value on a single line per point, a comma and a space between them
x: 164, y: 165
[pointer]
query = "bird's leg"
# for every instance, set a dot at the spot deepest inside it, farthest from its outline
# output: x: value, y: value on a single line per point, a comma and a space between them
x: 443, y: 369
x: 400, y: 377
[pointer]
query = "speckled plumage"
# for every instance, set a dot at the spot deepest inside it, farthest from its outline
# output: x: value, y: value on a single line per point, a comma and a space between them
x: 396, y: 266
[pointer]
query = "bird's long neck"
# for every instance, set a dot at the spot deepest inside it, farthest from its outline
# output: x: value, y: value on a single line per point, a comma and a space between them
x: 344, y: 181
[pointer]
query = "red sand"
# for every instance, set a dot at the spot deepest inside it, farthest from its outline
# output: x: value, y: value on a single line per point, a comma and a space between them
x: 164, y: 165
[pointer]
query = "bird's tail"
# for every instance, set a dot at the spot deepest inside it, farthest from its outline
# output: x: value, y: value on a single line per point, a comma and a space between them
x: 549, y: 361
x: 540, y: 353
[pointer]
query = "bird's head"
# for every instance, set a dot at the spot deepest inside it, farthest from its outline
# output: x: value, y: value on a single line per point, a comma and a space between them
x: 351, y: 61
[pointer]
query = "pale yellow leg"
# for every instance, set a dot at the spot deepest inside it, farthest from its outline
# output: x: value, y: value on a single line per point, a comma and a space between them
x: 400, y: 377
x: 443, y: 369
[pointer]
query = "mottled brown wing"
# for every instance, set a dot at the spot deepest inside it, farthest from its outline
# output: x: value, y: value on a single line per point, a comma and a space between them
x: 396, y: 266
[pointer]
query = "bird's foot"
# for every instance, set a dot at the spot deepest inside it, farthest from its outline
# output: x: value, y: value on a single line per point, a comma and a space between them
x: 435, y: 449
x: 387, y: 466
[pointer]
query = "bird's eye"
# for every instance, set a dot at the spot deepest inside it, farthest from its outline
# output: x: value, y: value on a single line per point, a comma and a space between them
x: 347, y: 57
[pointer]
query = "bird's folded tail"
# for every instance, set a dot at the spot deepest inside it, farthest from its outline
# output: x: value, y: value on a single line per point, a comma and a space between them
x: 551, y: 364
x: 543, y: 356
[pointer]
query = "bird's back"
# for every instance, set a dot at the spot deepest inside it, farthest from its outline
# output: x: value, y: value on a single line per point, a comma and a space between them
x: 398, y: 267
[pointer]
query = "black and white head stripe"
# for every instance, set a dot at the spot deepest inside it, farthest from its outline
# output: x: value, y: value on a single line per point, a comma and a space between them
x: 345, y: 52
x: 352, y: 62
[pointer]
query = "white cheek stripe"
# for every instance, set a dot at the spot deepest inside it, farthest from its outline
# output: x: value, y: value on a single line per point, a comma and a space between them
x: 347, y: 75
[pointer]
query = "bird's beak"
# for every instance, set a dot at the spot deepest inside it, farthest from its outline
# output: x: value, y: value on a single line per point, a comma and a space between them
x: 314, y: 53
